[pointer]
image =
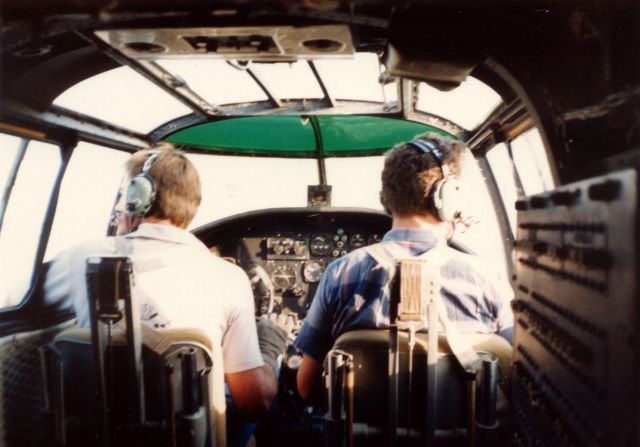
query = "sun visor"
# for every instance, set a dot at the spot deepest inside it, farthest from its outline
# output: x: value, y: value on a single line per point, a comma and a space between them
x: 440, y: 56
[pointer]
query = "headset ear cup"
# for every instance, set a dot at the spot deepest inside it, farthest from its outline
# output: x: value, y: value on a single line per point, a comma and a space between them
x: 141, y: 192
x: 448, y: 198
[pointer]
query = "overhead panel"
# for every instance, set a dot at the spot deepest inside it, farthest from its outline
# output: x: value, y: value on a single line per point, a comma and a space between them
x: 243, y: 43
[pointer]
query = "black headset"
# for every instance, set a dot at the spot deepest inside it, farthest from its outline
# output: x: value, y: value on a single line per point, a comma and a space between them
x: 141, y: 189
x: 446, y: 196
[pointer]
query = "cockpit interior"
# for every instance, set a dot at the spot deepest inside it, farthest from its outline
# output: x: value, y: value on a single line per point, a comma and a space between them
x: 287, y: 110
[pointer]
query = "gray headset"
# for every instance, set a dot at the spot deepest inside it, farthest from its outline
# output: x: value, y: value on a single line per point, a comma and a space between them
x: 141, y: 189
x: 446, y: 193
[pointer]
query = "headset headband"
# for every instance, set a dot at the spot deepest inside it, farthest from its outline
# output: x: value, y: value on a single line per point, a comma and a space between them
x: 431, y: 147
x: 149, y: 161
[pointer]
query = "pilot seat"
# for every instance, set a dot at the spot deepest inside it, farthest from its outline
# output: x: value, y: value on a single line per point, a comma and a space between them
x: 402, y: 386
x: 124, y: 383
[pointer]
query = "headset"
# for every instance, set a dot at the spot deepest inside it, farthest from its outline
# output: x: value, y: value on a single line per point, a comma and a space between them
x: 141, y: 189
x: 446, y: 196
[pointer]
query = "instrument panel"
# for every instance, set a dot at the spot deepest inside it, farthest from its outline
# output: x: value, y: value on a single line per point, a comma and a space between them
x: 285, y: 251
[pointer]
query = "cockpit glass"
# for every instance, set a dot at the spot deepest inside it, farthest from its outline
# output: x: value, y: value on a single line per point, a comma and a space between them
x: 232, y: 185
x: 505, y: 175
x: 355, y: 181
x: 216, y: 81
x: 86, y: 198
x: 468, y: 105
x: 532, y: 163
x: 24, y: 217
x: 356, y: 78
x: 289, y: 80
x: 123, y: 97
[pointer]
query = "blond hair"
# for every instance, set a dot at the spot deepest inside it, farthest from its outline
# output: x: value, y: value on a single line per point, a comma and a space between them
x: 178, y: 192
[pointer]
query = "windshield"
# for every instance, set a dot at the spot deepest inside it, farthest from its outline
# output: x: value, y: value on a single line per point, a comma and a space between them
x: 233, y: 185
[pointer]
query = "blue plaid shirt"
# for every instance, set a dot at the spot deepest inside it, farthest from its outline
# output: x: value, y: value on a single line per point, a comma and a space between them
x: 354, y: 294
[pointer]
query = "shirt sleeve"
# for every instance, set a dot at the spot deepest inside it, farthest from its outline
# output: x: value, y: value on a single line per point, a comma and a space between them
x: 315, y: 338
x: 240, y: 349
x: 64, y: 285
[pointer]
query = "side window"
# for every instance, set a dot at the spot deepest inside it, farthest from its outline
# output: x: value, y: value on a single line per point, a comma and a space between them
x: 532, y: 163
x: 483, y: 235
x: 520, y: 168
x: 88, y: 190
x: 506, y: 178
x: 28, y: 171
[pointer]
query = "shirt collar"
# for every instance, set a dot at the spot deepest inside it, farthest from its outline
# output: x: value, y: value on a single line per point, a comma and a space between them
x: 425, y: 237
x: 163, y: 232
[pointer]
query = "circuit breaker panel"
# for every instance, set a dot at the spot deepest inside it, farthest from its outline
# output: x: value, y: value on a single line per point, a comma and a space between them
x: 576, y: 315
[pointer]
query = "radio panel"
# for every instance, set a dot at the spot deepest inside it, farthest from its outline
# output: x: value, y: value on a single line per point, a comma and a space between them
x: 576, y: 314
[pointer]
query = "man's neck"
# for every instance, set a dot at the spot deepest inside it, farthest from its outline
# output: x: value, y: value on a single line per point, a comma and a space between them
x: 156, y: 220
x: 130, y: 224
x: 420, y: 222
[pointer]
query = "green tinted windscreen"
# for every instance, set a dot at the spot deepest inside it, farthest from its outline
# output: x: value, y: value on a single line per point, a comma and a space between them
x: 294, y: 136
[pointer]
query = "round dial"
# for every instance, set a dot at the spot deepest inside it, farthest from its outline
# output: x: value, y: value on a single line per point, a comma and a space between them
x: 283, y: 277
x: 357, y: 240
x: 320, y: 245
x: 373, y: 238
x: 312, y: 271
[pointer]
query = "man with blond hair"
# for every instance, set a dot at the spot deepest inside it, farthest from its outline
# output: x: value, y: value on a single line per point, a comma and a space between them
x: 178, y: 282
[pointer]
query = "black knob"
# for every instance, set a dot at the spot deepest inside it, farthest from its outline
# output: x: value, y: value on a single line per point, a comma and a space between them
x: 566, y: 198
x: 561, y: 252
x: 605, y: 191
x: 540, y: 247
x: 539, y: 202
x: 596, y: 258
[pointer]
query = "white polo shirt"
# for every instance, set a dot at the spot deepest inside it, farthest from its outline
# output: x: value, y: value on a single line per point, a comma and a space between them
x: 178, y: 284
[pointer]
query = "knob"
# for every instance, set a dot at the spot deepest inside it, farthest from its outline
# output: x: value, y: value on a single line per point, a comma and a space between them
x: 566, y: 198
x: 539, y: 202
x: 605, y: 191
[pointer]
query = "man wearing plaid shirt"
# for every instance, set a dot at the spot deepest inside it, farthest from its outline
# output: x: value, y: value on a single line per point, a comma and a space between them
x: 354, y: 290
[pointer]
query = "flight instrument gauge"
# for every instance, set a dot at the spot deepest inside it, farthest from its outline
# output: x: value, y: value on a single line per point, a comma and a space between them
x: 312, y: 271
x: 283, y: 277
x: 320, y: 245
x: 357, y: 240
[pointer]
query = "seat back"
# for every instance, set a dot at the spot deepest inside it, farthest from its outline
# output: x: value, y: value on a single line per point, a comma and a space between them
x: 189, y: 338
x: 178, y: 389
x: 369, y: 351
x: 144, y: 387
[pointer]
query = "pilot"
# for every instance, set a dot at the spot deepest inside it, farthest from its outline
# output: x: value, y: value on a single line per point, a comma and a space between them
x: 421, y: 189
x: 177, y: 281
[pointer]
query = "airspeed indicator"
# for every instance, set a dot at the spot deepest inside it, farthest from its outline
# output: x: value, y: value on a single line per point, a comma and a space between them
x: 320, y: 245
